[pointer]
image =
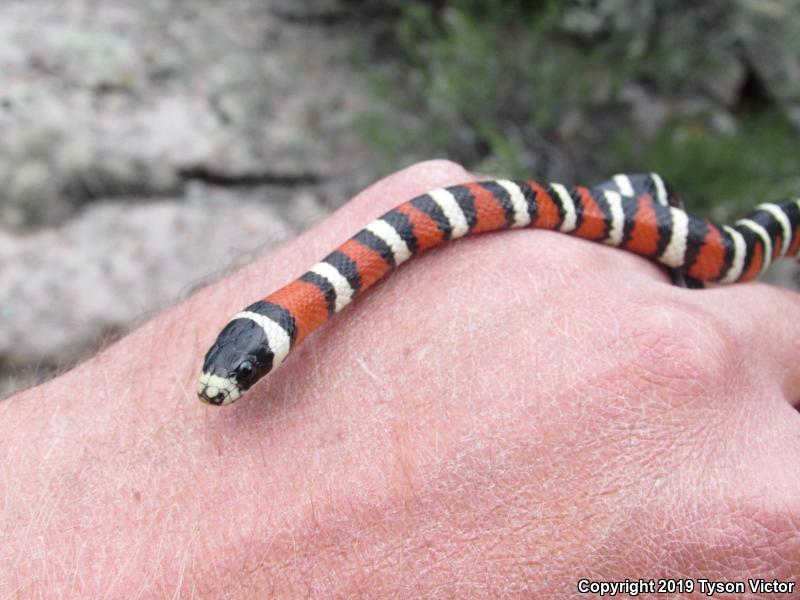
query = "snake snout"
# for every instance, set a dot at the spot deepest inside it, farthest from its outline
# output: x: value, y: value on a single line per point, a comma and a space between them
x: 216, y: 390
x: 216, y: 399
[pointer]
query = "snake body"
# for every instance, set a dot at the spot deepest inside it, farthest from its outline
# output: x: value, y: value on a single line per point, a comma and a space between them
x: 637, y: 213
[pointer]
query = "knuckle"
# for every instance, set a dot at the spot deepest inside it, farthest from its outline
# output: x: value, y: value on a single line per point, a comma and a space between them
x: 683, y: 348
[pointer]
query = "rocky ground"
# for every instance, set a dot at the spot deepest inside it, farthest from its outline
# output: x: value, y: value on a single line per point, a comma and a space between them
x: 147, y: 147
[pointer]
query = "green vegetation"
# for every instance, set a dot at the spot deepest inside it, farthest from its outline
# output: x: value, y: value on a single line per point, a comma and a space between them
x: 577, y: 90
x: 732, y: 172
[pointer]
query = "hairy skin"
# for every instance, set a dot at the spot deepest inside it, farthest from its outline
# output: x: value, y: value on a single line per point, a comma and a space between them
x: 502, y: 416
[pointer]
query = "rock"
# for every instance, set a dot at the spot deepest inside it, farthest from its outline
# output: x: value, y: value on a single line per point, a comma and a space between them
x: 67, y: 288
x: 770, y: 34
x: 119, y: 99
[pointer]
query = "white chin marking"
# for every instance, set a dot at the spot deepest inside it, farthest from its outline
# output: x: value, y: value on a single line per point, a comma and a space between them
x: 209, y: 386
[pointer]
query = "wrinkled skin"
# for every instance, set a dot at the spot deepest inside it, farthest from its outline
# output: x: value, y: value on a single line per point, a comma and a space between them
x: 502, y: 416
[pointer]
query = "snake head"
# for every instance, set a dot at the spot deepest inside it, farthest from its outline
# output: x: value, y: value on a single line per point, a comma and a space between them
x: 239, y: 358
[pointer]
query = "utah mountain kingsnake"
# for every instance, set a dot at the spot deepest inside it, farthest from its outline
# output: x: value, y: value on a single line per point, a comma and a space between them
x: 635, y: 212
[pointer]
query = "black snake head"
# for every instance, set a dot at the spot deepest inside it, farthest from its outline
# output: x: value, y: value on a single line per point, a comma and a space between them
x: 238, y: 358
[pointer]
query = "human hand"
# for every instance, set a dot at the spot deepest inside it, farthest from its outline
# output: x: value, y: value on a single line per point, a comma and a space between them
x: 502, y: 416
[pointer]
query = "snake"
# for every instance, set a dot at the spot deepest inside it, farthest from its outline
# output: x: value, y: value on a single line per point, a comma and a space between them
x: 638, y: 213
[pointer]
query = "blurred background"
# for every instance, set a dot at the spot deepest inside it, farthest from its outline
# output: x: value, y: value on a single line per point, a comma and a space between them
x: 148, y: 147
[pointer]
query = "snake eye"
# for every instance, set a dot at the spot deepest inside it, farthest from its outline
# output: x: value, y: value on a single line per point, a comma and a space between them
x: 244, y: 371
